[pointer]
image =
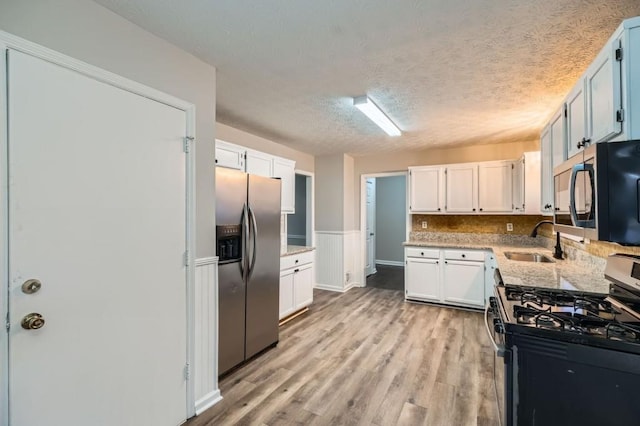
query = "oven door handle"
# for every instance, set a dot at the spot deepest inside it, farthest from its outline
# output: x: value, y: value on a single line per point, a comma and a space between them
x: 498, y: 348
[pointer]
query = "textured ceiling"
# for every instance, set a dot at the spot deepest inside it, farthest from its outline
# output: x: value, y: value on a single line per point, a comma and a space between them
x: 448, y: 72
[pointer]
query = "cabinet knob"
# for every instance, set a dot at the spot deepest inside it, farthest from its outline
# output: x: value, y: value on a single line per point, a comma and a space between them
x: 438, y: 208
x: 464, y: 255
x: 297, y: 260
x: 421, y: 253
x: 480, y: 208
x: 296, y: 270
x: 547, y: 206
x: 474, y: 210
x: 216, y: 161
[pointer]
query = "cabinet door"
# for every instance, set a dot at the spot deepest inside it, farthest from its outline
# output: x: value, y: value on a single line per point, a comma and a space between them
x: 546, y: 172
x: 303, y: 286
x: 532, y: 182
x: 259, y: 163
x: 576, y: 120
x: 422, y: 279
x: 426, y: 189
x: 517, y: 184
x: 287, y: 305
x: 463, y: 282
x: 603, y: 95
x: 462, y: 188
x: 229, y: 155
x: 495, y: 187
x: 285, y: 170
x: 558, y: 138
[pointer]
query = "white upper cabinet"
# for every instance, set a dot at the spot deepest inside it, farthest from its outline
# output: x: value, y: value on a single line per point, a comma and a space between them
x: 546, y: 172
x: 532, y: 193
x: 495, y: 180
x: 285, y: 170
x: 604, y: 106
x: 462, y: 188
x: 558, y: 138
x: 259, y: 163
x: 229, y: 155
x: 426, y: 189
x: 576, y: 120
x: 517, y: 186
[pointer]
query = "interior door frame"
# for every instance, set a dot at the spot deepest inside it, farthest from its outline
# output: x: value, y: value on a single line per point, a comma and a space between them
x: 9, y: 41
x: 310, y: 224
x: 363, y: 216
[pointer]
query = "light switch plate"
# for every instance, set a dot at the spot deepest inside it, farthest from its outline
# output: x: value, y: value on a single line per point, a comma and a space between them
x: 509, y: 227
x: 424, y: 224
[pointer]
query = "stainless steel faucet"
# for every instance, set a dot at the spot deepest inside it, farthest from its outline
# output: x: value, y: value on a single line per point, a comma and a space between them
x: 557, y: 254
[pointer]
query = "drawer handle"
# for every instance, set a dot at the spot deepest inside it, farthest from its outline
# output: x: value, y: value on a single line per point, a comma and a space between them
x: 464, y: 255
x: 421, y: 253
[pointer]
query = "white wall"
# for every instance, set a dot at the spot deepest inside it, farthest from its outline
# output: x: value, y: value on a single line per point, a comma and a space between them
x: 88, y: 32
x: 391, y: 218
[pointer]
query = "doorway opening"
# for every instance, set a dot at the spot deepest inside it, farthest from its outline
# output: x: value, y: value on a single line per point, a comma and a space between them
x: 300, y: 225
x: 384, y: 223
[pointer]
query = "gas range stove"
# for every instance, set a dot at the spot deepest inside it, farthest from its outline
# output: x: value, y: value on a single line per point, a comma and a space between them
x: 577, y: 317
x: 587, y: 345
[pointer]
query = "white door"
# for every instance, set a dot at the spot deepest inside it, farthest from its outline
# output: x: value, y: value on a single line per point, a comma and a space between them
x: 371, y: 227
x: 97, y: 215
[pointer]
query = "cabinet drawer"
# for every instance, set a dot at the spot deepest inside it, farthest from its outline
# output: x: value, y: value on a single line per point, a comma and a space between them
x: 287, y: 262
x: 464, y: 255
x: 429, y: 253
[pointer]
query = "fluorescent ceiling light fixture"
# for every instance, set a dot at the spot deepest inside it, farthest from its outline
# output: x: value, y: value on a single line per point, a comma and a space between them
x: 376, y: 115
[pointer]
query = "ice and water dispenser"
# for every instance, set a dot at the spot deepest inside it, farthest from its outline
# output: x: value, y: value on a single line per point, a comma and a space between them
x: 229, y: 247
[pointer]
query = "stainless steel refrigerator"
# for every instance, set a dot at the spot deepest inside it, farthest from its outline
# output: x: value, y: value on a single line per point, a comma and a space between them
x: 248, y: 247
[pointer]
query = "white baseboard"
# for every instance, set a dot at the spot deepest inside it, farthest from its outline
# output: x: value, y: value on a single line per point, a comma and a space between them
x: 208, y: 401
x: 329, y: 288
x: 351, y: 285
x: 389, y: 262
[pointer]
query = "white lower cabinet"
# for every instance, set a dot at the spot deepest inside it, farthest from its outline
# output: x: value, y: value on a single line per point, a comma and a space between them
x: 296, y: 283
x: 454, y: 277
x: 422, y: 277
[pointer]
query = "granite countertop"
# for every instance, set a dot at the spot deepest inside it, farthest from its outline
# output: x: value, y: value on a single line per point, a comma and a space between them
x: 296, y: 250
x: 571, y: 274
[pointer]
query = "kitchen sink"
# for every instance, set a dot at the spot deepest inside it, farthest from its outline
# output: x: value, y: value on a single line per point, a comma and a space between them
x: 528, y: 257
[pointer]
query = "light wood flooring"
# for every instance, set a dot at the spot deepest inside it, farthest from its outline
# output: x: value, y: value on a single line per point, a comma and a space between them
x: 366, y: 357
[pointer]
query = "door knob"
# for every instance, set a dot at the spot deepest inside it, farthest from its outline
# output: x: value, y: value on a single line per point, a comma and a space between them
x: 32, y: 321
x: 31, y: 286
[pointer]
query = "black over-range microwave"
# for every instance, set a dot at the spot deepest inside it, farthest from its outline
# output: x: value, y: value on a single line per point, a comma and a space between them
x: 597, y: 193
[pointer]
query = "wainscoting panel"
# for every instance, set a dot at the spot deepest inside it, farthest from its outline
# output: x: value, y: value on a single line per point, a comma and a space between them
x: 330, y: 261
x: 205, y: 368
x: 353, y: 259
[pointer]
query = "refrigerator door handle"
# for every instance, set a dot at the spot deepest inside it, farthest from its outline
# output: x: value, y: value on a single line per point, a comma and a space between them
x: 254, y: 233
x: 245, y: 240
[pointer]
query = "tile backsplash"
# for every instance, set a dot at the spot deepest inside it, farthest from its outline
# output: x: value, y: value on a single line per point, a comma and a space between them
x: 522, y: 225
x: 485, y: 224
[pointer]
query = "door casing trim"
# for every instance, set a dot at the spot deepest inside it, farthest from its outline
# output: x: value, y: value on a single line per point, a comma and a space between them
x: 11, y: 42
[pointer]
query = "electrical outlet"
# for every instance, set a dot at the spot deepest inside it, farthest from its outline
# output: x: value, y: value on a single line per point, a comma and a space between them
x: 509, y: 227
x: 424, y: 224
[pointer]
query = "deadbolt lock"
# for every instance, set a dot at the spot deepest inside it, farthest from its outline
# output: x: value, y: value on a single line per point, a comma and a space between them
x: 32, y: 321
x: 31, y: 286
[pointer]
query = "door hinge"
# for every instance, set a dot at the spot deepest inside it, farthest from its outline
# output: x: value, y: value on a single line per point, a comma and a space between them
x: 565, y: 110
x: 187, y: 143
x: 620, y: 115
x: 186, y: 258
x: 7, y: 323
x: 187, y: 371
x: 512, y: 167
x: 619, y: 54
